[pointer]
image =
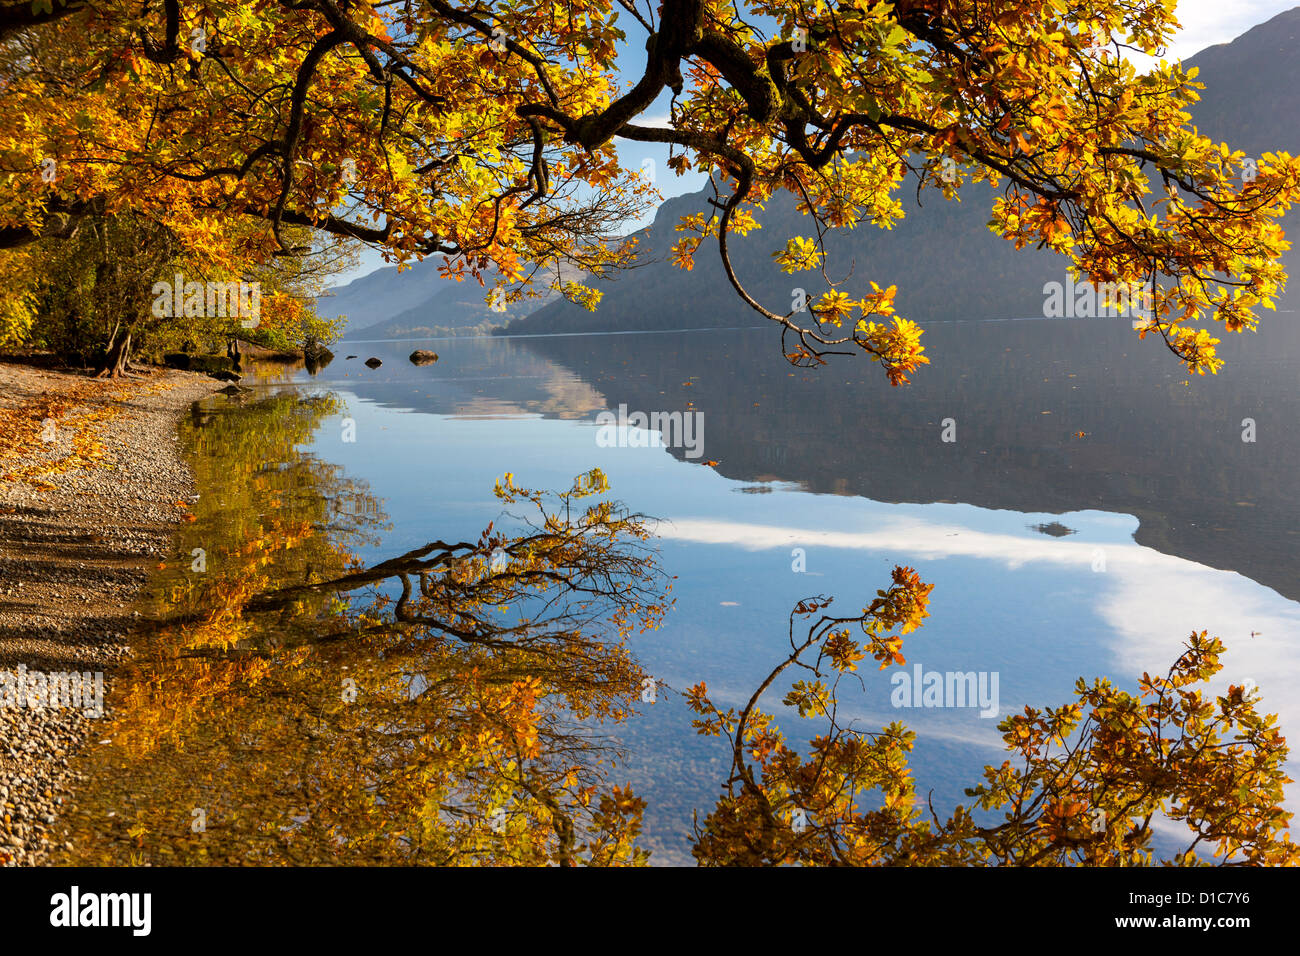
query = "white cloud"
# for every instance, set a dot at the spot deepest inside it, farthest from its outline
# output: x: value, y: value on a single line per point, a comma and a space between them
x: 659, y: 121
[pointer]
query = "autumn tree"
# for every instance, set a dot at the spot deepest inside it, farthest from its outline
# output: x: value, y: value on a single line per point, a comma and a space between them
x: 18, y: 275
x: 115, y: 284
x: 93, y: 297
x: 487, y: 134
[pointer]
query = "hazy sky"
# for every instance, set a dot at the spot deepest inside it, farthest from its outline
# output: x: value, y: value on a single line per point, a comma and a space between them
x: 1205, y: 23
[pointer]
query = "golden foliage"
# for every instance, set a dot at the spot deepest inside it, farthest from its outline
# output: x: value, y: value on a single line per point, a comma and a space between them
x: 1085, y: 783
x: 488, y: 135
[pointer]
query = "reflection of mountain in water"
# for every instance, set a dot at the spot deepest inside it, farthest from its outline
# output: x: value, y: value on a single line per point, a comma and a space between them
x: 1169, y: 453
x: 474, y: 377
x: 1018, y: 392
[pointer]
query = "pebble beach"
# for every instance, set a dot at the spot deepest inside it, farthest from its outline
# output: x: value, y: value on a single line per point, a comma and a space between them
x: 86, y: 512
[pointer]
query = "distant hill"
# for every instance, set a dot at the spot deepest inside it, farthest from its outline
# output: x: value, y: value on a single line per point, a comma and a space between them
x: 1251, y: 98
x: 982, y: 276
x: 380, y: 295
x: 417, y: 303
x: 943, y: 258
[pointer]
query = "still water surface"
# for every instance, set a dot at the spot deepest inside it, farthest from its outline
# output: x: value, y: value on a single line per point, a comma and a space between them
x: 1093, y: 509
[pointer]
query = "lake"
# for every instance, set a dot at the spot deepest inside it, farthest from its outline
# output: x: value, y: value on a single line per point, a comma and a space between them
x: 1079, y: 505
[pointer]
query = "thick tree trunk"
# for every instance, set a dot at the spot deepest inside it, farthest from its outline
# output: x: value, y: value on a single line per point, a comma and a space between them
x: 118, y: 357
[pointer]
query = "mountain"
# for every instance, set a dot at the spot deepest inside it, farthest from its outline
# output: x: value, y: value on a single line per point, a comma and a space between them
x: 982, y: 276
x: 380, y: 295
x: 943, y: 258
x: 1251, y: 100
x: 418, y: 302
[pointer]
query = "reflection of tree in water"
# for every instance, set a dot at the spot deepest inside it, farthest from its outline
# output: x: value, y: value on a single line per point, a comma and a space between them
x: 293, y: 706
x: 1086, y: 783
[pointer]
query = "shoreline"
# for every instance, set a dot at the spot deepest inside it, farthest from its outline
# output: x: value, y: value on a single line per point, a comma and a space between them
x: 93, y: 485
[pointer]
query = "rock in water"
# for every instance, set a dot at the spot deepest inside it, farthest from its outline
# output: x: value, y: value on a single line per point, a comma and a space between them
x: 373, y: 362
x: 423, y: 357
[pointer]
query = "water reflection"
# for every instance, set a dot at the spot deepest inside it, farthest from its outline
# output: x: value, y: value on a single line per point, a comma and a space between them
x: 1050, y: 417
x: 1089, y: 540
x: 1198, y: 527
x: 290, y: 703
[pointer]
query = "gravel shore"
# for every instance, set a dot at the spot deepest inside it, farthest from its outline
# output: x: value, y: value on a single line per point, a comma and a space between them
x: 85, y: 512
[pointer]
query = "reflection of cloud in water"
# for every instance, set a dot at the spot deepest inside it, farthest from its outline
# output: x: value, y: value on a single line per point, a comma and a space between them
x: 1149, y: 601
x: 562, y: 396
